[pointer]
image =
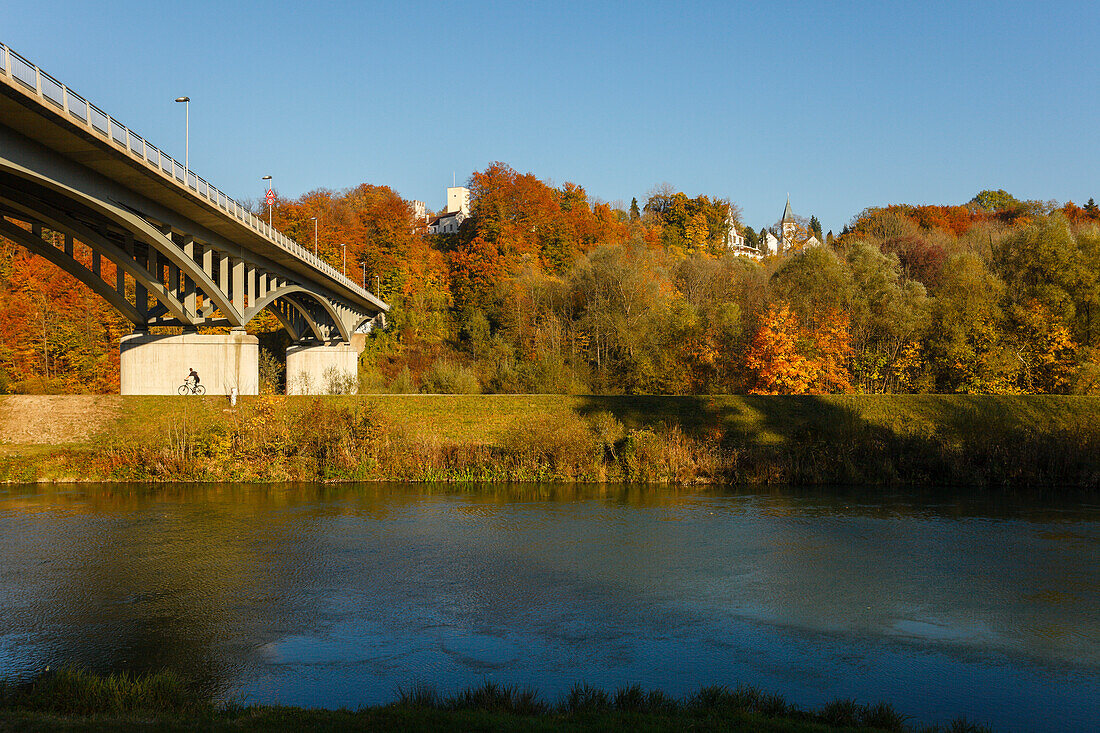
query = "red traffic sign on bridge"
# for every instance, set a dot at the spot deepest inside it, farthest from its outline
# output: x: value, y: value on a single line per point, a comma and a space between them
x: 270, y: 196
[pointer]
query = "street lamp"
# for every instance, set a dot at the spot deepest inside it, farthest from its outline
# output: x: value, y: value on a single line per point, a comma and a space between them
x: 364, y: 264
x: 187, y: 138
x: 267, y: 195
x: 314, y: 235
x: 344, y: 249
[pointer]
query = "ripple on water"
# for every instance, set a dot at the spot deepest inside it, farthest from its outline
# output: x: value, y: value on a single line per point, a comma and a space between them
x: 479, y: 650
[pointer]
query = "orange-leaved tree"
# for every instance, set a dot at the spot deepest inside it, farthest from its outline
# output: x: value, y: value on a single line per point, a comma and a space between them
x: 775, y: 357
x: 788, y: 359
x: 832, y: 345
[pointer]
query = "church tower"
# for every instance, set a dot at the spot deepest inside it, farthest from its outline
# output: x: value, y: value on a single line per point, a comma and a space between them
x: 788, y: 225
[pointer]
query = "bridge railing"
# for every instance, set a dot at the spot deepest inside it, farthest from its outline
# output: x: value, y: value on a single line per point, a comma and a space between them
x: 52, y: 92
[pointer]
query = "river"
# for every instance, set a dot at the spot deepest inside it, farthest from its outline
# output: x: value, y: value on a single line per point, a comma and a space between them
x: 335, y: 596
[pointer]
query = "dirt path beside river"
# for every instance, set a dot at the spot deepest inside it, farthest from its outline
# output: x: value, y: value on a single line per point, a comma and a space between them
x: 55, y: 419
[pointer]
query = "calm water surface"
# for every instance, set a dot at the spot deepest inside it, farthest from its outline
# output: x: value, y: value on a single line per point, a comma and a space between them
x: 323, y: 596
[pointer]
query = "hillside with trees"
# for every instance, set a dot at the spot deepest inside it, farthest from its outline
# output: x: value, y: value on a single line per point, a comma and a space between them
x: 543, y: 289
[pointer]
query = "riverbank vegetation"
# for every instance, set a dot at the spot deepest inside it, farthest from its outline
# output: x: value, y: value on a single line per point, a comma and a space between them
x: 70, y: 699
x: 1042, y: 443
x: 545, y: 290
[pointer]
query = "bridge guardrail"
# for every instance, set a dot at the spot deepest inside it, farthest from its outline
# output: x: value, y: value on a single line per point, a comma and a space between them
x: 53, y: 93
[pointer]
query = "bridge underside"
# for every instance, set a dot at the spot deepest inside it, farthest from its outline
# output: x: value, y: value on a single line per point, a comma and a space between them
x: 156, y: 275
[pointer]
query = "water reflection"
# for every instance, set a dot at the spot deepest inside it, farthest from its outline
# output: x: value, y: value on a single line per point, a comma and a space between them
x: 336, y: 595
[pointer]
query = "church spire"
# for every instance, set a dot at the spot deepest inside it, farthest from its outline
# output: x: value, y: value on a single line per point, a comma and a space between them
x: 787, y: 215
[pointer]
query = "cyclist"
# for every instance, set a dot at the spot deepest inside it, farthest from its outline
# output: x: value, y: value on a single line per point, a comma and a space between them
x: 193, y: 376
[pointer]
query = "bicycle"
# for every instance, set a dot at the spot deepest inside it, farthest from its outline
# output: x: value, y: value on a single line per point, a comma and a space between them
x: 189, y: 388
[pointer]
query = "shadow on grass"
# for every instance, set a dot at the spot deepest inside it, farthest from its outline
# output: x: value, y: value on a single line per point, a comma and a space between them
x: 1036, y: 444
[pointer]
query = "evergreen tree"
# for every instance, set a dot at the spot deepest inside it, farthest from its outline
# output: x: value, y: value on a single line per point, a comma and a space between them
x: 815, y: 228
x: 829, y: 238
x: 751, y: 240
x: 1091, y: 206
x: 634, y: 213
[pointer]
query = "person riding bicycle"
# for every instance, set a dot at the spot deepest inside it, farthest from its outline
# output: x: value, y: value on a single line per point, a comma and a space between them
x: 193, y: 376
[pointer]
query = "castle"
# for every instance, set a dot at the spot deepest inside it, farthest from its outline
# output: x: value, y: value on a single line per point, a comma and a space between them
x: 458, y: 209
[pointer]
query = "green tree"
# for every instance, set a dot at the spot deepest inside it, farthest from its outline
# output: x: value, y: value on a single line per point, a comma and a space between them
x: 635, y: 214
x: 815, y: 228
x: 751, y: 238
x: 994, y: 201
x: 966, y: 344
x: 622, y: 317
x: 888, y: 312
x: 1040, y: 262
x: 812, y: 282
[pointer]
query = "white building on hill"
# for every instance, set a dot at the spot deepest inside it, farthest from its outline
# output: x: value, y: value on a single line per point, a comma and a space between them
x: 735, y: 240
x: 458, y: 209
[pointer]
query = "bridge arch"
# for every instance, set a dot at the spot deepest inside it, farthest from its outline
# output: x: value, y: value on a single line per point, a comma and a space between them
x: 300, y: 298
x: 24, y: 195
x: 360, y: 320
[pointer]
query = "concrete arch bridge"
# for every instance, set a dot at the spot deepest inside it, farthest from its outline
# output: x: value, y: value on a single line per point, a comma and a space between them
x: 165, y: 247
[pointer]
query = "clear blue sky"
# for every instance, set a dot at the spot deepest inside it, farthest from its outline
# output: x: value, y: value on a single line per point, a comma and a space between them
x: 842, y: 104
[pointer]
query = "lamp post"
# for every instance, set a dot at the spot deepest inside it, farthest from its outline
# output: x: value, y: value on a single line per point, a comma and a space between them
x: 314, y: 235
x: 344, y: 249
x: 269, y: 188
x: 364, y: 264
x: 187, y: 136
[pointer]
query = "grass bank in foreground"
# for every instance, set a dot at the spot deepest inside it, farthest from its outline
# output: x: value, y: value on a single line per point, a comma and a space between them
x: 79, y: 701
x: 1035, y: 442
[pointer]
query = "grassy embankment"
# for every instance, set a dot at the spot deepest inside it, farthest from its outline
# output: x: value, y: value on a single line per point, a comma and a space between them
x: 80, y: 701
x: 991, y: 442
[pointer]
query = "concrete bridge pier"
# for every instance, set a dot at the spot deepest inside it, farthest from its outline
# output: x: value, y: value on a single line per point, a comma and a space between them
x: 158, y: 365
x: 320, y: 368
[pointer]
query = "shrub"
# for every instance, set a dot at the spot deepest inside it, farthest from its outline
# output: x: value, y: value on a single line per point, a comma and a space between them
x: 666, y: 454
x: 547, y: 373
x: 370, y: 379
x: 609, y: 432
x: 554, y: 445
x: 403, y: 383
x: 336, y: 437
x: 302, y: 383
x: 271, y: 373
x: 339, y: 381
x: 447, y: 377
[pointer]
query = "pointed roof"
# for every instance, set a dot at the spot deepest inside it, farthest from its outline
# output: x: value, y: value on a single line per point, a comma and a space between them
x: 787, y: 215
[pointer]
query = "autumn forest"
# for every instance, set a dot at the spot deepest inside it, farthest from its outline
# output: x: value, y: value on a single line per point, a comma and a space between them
x: 543, y: 289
